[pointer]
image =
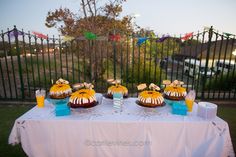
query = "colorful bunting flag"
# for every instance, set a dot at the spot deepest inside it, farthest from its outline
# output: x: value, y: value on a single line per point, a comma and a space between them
x: 114, y: 37
x: 68, y: 38
x: 39, y: 35
x: 105, y: 38
x: 141, y: 40
x: 163, y: 38
x: 206, y: 28
x: 13, y: 34
x: 90, y: 35
x: 227, y: 34
x: 187, y: 36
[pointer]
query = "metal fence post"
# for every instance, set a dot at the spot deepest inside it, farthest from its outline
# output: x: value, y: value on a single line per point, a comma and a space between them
x: 19, y: 63
x: 20, y: 71
x: 207, y: 59
x: 114, y: 59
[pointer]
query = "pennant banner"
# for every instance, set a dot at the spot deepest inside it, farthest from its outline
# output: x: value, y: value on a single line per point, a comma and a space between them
x: 13, y: 34
x: 141, y: 40
x: 163, y: 38
x: 206, y: 28
x: 227, y: 34
x: 187, y: 36
x: 114, y: 37
x: 39, y: 35
x: 102, y: 38
x: 90, y: 35
x: 68, y: 38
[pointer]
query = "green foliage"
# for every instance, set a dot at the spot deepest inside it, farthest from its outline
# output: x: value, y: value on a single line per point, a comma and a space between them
x: 97, y: 17
x: 10, y: 52
x: 2, y: 54
x: 13, y: 52
x: 222, y: 82
x: 144, y: 73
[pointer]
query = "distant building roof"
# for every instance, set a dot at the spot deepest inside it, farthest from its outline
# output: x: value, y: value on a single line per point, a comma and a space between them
x: 219, y: 49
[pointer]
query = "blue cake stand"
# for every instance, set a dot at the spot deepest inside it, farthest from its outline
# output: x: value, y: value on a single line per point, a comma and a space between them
x: 61, y: 106
x: 58, y: 101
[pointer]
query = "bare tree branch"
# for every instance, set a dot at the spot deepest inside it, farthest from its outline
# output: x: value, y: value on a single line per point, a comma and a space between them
x: 95, y: 7
x: 90, y: 8
x: 84, y: 9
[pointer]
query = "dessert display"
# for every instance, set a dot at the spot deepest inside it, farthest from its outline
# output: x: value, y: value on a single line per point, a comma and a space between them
x: 60, y: 90
x: 174, y: 91
x: 116, y: 88
x: 84, y: 97
x: 151, y: 97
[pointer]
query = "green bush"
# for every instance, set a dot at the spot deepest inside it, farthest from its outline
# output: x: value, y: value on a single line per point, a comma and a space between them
x: 144, y: 74
x: 225, y: 82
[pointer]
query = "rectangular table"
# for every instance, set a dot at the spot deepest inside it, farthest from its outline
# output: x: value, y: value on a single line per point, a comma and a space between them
x: 106, y: 132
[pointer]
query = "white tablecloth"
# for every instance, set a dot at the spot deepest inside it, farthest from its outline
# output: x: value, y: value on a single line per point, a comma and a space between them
x: 103, y: 131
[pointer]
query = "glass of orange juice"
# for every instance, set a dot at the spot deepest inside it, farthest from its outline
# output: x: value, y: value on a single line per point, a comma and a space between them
x: 40, y: 96
x: 189, y: 102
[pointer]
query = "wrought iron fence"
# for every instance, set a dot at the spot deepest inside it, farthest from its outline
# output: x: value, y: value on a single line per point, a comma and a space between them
x: 205, y: 62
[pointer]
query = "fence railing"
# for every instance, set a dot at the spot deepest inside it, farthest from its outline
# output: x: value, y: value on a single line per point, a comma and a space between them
x: 205, y: 62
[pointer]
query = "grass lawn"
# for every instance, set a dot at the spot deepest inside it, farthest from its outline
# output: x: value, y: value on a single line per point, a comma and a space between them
x: 8, y: 114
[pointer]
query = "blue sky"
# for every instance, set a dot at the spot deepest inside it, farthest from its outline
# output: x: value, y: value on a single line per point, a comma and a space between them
x: 162, y: 16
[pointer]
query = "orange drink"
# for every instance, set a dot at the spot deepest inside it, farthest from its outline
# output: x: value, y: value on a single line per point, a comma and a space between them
x: 40, y: 100
x: 40, y: 96
x: 189, y: 103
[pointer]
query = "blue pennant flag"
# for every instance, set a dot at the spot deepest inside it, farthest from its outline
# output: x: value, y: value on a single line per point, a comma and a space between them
x: 163, y: 38
x: 141, y: 40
